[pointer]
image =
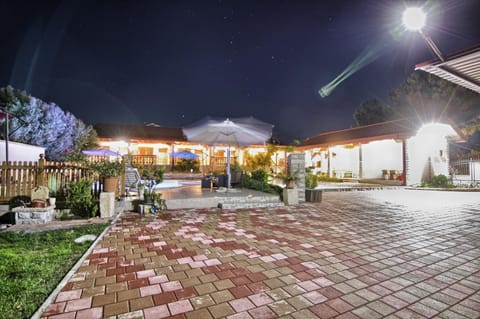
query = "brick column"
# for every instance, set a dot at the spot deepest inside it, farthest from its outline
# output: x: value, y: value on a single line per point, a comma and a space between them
x: 296, y: 164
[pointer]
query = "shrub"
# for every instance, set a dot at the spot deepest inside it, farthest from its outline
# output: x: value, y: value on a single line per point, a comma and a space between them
x: 440, y: 181
x: 187, y: 165
x: 311, y: 180
x: 80, y: 199
x: 159, y: 175
x: 106, y: 168
x: 251, y: 183
x: 260, y: 175
x: 19, y: 201
x: 329, y: 179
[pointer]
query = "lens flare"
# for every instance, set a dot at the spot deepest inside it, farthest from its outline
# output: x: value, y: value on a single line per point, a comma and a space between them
x: 368, y: 55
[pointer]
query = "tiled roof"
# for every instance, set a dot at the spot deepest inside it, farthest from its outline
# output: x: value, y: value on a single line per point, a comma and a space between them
x: 139, y: 132
x: 396, y: 129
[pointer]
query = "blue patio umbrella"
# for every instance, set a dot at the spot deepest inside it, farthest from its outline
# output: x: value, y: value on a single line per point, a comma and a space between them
x: 185, y: 155
x: 100, y: 152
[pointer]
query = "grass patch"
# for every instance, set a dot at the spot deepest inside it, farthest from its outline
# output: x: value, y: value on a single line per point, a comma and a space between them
x: 32, y: 265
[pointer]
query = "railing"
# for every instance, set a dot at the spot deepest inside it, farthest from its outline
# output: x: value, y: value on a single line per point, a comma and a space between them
x: 219, y: 163
x: 19, y: 178
x: 140, y: 160
x: 465, y: 171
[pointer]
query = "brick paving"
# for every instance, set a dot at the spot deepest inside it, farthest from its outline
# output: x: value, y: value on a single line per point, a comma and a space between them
x: 373, y: 254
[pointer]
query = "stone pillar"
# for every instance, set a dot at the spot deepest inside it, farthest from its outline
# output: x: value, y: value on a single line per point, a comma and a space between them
x: 107, y: 204
x: 296, y: 165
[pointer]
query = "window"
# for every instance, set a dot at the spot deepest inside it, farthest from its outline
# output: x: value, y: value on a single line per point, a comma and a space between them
x: 145, y: 150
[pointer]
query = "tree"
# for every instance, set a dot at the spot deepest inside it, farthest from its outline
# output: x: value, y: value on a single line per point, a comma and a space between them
x: 10, y: 96
x: 47, y: 125
x: 372, y: 111
x: 259, y: 161
x: 427, y: 98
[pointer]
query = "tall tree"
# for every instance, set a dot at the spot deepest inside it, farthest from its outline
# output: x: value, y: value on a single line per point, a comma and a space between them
x: 427, y: 98
x: 47, y: 125
x: 10, y: 96
x: 372, y: 111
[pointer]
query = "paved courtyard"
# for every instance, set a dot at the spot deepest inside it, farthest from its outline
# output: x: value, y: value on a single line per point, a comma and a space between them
x: 372, y: 254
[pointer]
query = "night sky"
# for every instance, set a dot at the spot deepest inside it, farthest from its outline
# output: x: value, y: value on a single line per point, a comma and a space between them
x: 174, y: 62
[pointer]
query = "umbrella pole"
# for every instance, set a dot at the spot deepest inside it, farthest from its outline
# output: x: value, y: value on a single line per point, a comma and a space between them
x: 228, y: 167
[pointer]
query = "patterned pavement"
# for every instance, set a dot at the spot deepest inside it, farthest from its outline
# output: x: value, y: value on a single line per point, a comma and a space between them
x: 372, y: 254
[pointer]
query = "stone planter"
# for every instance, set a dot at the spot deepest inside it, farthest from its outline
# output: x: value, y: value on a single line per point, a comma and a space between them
x: 290, y: 196
x: 313, y: 195
x: 33, y: 215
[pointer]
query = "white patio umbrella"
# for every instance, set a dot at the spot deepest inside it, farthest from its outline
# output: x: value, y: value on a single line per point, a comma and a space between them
x: 236, y: 131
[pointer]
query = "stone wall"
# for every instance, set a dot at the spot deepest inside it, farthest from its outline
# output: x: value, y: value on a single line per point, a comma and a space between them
x: 296, y: 164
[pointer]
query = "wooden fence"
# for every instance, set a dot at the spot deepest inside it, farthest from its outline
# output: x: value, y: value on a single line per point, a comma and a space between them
x: 19, y: 178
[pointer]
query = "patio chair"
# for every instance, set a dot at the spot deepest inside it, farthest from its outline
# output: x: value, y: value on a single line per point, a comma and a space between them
x: 236, y: 178
x: 132, y: 178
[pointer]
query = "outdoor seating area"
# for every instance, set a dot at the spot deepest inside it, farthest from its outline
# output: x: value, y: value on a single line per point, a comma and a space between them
x: 216, y: 181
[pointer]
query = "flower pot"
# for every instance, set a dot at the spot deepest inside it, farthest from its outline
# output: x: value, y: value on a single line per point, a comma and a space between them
x: 110, y: 184
x: 52, y: 201
x: 39, y: 203
x: 148, y: 199
x: 291, y: 184
x: 313, y: 195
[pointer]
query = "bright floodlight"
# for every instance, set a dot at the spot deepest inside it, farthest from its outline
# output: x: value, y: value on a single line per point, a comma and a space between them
x: 414, y: 19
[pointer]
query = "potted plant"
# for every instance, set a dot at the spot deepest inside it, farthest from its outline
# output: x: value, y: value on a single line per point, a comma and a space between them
x: 148, y: 196
x: 311, y: 182
x: 110, y: 171
x: 159, y: 202
x: 290, y: 179
x: 290, y: 194
x: 52, y: 198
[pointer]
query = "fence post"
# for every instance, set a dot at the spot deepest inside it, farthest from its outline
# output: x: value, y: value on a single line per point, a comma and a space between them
x: 42, y: 176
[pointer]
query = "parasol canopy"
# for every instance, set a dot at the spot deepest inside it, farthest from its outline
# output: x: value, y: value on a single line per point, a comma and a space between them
x: 236, y: 131
x: 100, y: 152
x: 185, y: 155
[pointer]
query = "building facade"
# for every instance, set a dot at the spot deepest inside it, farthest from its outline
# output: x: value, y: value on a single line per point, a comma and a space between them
x: 401, y: 151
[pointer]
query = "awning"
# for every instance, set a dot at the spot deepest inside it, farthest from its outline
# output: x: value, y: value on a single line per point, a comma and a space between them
x: 462, y: 68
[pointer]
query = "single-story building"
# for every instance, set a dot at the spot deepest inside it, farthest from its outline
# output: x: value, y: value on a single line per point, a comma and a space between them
x: 152, y: 144
x: 20, y: 152
x: 399, y: 150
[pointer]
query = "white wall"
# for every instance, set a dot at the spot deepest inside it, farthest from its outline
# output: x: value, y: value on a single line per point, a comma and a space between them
x: 381, y: 155
x: 344, y: 160
x: 20, y: 152
x: 428, y: 150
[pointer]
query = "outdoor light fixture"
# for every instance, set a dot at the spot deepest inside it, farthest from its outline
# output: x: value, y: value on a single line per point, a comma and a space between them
x: 414, y: 19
